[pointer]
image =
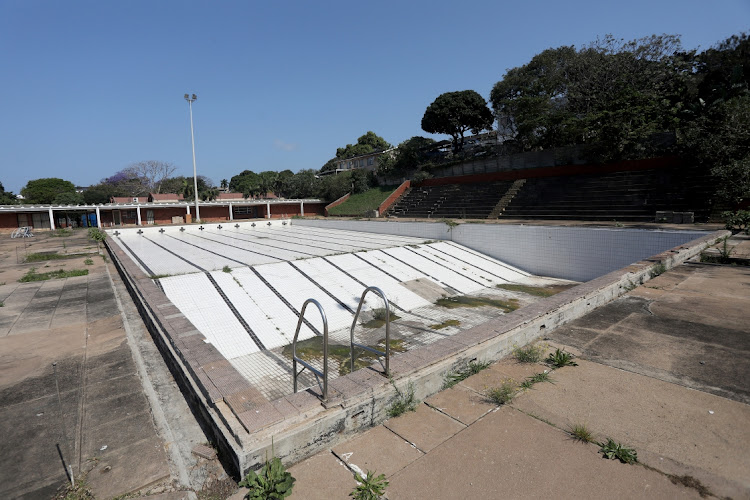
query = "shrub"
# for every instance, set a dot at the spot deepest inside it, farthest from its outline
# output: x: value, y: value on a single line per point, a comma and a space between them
x: 737, y: 221
x: 97, y: 234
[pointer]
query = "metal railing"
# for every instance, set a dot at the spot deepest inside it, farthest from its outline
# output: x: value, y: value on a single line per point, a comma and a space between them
x: 318, y: 374
x: 387, y: 353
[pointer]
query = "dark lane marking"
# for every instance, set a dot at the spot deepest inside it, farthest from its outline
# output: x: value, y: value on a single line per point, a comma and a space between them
x: 275, y: 237
x: 175, y: 254
x: 236, y: 313
x: 484, y: 285
x: 482, y: 256
x: 465, y: 262
x: 364, y: 235
x: 235, y: 246
x: 303, y: 273
x: 204, y: 250
x: 159, y: 285
x: 433, y: 278
x: 267, y: 245
x: 337, y: 237
x: 365, y: 286
x: 286, y: 302
x: 378, y: 268
x: 135, y: 256
x: 361, y: 283
x: 352, y: 248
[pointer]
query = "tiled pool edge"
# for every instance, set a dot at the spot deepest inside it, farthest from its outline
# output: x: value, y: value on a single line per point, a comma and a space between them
x: 299, y: 424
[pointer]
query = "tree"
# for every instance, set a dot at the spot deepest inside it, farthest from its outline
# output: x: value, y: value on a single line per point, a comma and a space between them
x: 6, y: 197
x: 100, y: 193
x: 455, y: 113
x: 281, y: 183
x: 246, y: 182
x: 68, y: 199
x: 266, y: 181
x: 613, y: 95
x: 304, y: 184
x: 151, y: 173
x: 224, y: 183
x: 366, y: 144
x: 45, y: 191
x: 407, y: 157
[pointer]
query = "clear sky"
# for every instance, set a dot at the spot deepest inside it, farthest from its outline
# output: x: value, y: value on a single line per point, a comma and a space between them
x: 89, y: 87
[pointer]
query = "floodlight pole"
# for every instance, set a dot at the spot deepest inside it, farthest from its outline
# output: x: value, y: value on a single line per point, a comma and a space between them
x: 190, y: 101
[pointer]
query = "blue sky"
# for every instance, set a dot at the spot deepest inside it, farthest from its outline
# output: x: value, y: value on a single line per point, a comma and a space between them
x: 91, y: 86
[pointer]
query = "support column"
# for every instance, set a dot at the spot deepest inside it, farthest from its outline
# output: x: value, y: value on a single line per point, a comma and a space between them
x: 138, y: 214
x: 302, y: 208
x: 231, y: 215
x: 98, y: 218
x: 268, y: 210
x: 51, y: 219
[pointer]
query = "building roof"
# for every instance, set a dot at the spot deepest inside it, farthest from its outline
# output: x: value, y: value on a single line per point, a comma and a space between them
x: 165, y: 197
x: 230, y: 196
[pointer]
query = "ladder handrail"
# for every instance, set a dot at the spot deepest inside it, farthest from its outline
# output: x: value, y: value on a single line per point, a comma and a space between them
x: 352, y: 344
x: 318, y: 374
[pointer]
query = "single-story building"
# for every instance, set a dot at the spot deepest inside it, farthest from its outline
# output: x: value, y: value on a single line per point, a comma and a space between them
x: 124, y: 212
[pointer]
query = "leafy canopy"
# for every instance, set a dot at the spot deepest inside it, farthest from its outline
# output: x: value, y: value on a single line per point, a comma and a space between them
x: 46, y: 190
x: 455, y: 113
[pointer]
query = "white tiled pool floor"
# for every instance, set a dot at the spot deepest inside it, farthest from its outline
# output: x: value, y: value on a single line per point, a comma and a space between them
x: 243, y: 286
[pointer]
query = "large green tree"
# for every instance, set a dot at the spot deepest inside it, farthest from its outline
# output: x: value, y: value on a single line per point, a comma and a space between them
x: 613, y: 95
x: 6, y: 197
x: 407, y: 157
x: 368, y: 143
x: 455, y: 113
x: 46, y: 190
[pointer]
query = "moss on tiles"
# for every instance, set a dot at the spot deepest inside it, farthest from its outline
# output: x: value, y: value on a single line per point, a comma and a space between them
x: 474, y: 301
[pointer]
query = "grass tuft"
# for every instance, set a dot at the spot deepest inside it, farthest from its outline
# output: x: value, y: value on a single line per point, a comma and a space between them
x: 472, y: 368
x: 226, y: 269
x: 531, y: 353
x: 32, y: 275
x: 403, y: 401
x: 502, y: 394
x: 582, y: 433
x: 658, y: 269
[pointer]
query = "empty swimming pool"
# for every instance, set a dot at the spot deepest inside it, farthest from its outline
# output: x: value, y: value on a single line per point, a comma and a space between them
x: 243, y: 285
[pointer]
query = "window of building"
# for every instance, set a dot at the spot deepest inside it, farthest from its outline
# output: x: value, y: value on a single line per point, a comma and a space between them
x: 244, y: 210
x: 371, y: 160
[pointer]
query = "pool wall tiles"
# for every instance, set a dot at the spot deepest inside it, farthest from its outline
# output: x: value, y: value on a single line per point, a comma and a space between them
x: 575, y: 253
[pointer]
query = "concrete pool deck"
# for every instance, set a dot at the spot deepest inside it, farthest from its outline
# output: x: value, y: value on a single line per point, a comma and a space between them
x: 656, y: 394
x: 243, y: 423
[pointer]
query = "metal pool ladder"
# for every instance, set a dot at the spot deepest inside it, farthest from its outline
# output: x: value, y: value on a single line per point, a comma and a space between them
x: 387, y: 353
x: 318, y: 374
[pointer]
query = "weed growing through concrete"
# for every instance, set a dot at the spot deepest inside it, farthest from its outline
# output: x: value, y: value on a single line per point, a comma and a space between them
x: 403, y: 401
x: 226, y: 269
x: 535, y: 379
x: 450, y: 223
x: 445, y: 324
x: 2, y: 304
x: 537, y: 291
x: 559, y: 358
x: 159, y: 276
x: 658, y: 269
x: 44, y: 256
x: 370, y: 487
x: 378, y: 318
x: 614, y: 450
x: 61, y: 232
x: 471, y: 301
x: 725, y: 250
x: 502, y: 394
x: 472, y: 368
x: 272, y: 481
x: 529, y: 354
x: 80, y: 491
x: 32, y: 275
x: 582, y: 433
x: 88, y: 262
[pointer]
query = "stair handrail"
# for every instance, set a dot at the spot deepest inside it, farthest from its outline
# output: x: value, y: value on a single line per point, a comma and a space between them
x: 318, y: 374
x: 352, y: 344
